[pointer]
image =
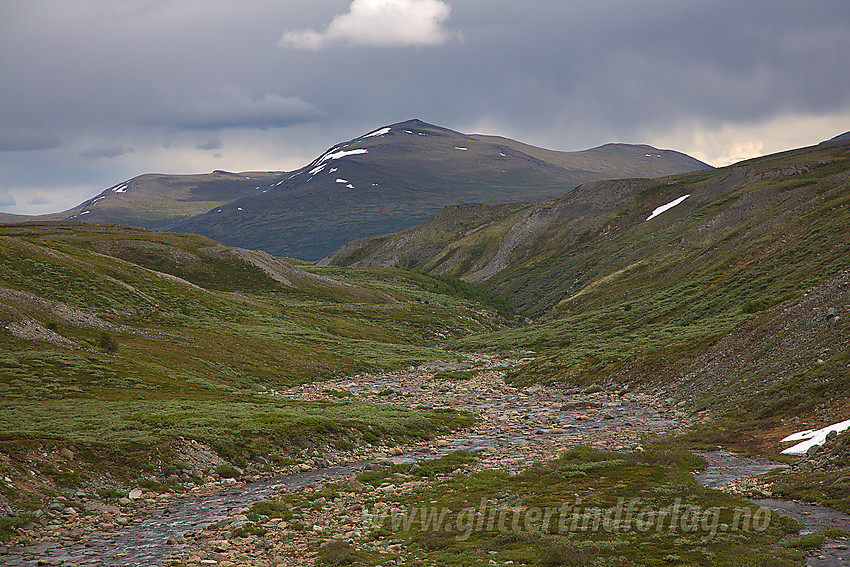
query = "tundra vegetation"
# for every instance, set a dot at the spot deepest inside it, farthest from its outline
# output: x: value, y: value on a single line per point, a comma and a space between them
x: 119, y: 342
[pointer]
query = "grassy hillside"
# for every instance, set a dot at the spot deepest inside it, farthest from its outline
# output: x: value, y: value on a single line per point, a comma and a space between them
x: 617, y: 296
x: 118, y: 340
x: 414, y: 246
x: 734, y: 300
x: 613, y: 288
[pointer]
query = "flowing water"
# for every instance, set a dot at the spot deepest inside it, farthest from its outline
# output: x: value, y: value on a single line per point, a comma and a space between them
x: 724, y: 467
x: 149, y: 541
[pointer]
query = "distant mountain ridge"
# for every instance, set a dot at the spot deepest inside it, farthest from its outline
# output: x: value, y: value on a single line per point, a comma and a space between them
x: 157, y: 201
x: 386, y: 180
x: 399, y: 175
x: 839, y: 138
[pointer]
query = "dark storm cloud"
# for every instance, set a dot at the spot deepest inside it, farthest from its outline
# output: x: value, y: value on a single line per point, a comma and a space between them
x: 267, y: 83
x: 39, y: 201
x: 233, y: 107
x: 209, y: 144
x: 27, y: 141
x: 106, y: 151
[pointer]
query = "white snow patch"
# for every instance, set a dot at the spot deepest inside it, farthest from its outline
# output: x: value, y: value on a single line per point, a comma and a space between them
x: 341, y: 180
x: 421, y: 133
x: 342, y: 154
x: 666, y: 207
x: 503, y: 155
x: 350, y: 186
x: 333, y: 169
x: 812, y: 437
x: 408, y: 131
x: 120, y: 188
x: 462, y: 148
x: 85, y: 212
x: 238, y: 208
x: 315, y: 170
x: 380, y: 132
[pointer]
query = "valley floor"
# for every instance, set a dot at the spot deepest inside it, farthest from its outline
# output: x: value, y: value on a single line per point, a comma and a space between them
x: 290, y: 521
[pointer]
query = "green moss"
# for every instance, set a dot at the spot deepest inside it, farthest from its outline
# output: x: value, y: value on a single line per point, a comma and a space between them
x: 815, y: 539
x: 455, y: 375
x: 539, y: 517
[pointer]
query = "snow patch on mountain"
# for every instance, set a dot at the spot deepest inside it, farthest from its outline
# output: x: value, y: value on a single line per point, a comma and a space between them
x: 812, y: 437
x: 330, y: 156
x: 379, y: 132
x: 666, y: 207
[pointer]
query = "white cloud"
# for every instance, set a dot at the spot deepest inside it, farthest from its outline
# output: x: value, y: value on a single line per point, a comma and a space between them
x: 379, y: 23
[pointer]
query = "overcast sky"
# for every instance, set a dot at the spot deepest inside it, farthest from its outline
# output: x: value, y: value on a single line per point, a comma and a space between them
x: 93, y: 92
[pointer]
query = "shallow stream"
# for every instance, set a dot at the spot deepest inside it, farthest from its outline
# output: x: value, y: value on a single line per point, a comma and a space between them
x: 150, y: 541
x: 724, y: 467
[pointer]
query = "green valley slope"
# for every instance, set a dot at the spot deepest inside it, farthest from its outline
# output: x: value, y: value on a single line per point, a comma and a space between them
x: 617, y: 293
x: 726, y: 290
x: 116, y: 341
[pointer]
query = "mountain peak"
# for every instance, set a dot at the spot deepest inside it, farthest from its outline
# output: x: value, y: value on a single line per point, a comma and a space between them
x: 385, y: 180
x: 412, y: 123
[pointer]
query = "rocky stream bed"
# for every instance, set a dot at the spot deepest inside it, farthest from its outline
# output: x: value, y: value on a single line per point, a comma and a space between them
x: 516, y: 428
